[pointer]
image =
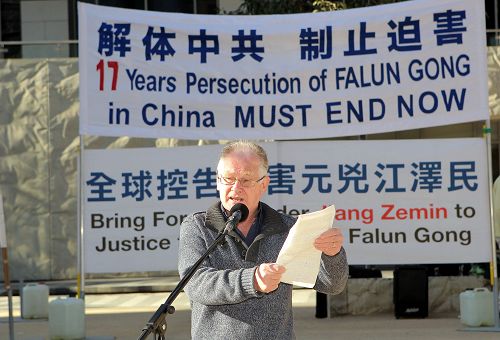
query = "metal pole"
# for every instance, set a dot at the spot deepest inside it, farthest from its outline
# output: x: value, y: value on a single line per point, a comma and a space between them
x: 496, y: 22
x: 493, y: 264
x: 8, y: 288
x: 11, y: 316
x: 1, y: 50
x: 497, y: 141
x: 37, y: 42
x: 5, y: 261
x: 80, y: 262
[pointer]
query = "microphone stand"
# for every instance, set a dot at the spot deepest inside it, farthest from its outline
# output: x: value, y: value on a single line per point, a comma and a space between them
x: 157, y: 324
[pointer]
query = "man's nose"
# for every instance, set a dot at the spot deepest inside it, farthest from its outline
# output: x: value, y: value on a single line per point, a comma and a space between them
x: 237, y: 184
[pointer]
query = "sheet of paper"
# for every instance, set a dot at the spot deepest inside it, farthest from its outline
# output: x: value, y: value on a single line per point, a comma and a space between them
x: 298, y: 254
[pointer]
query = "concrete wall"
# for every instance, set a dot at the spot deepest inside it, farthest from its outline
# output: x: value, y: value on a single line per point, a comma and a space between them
x: 375, y: 295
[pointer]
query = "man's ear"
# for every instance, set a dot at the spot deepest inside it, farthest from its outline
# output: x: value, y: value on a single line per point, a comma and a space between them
x: 218, y: 184
x: 265, y: 183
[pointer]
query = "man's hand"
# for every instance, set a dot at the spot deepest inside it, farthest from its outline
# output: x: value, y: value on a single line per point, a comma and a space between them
x: 267, y: 277
x: 330, y: 241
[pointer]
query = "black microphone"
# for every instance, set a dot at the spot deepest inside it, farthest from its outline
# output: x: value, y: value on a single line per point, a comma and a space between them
x: 238, y: 213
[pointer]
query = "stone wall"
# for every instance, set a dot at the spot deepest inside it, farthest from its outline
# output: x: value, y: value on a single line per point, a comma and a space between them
x: 375, y: 295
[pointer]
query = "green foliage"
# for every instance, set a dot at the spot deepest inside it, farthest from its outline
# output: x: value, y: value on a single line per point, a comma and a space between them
x: 326, y: 5
x: 274, y: 7
x: 255, y: 7
x: 367, y: 3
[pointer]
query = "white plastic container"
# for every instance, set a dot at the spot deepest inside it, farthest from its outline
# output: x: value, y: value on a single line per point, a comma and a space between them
x: 35, y: 302
x: 476, y: 307
x: 67, y: 319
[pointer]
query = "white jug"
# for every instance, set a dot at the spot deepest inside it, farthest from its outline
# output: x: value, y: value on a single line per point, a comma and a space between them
x: 35, y: 301
x: 67, y: 319
x: 476, y: 307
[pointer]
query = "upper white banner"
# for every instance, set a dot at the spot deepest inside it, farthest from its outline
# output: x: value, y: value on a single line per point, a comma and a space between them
x: 384, y: 68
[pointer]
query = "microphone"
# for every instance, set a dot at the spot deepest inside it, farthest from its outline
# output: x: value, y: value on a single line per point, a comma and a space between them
x: 158, y: 324
x: 238, y: 213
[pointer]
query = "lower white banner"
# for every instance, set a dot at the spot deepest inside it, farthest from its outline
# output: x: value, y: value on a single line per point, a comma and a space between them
x: 397, y: 202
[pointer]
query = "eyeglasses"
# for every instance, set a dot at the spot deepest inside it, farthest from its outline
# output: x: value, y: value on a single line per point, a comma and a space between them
x: 245, y: 183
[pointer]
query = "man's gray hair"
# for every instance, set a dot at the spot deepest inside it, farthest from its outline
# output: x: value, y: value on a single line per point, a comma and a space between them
x: 247, y: 146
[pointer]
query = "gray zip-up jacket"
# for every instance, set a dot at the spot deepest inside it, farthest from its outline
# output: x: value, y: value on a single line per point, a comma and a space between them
x: 224, y: 303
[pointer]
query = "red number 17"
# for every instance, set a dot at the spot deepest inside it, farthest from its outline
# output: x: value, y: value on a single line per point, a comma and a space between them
x: 100, y: 67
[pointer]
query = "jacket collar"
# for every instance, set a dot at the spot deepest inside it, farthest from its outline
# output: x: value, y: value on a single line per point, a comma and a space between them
x: 271, y: 221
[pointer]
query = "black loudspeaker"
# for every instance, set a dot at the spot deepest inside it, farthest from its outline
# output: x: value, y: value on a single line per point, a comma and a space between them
x: 411, y: 292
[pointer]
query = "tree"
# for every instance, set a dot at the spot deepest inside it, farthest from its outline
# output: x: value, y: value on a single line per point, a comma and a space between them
x: 255, y: 7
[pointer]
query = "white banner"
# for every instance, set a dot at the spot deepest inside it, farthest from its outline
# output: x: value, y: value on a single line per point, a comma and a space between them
x: 398, y: 202
x: 401, y: 66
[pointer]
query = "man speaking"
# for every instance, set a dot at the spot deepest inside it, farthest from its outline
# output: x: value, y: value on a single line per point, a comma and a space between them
x: 236, y: 293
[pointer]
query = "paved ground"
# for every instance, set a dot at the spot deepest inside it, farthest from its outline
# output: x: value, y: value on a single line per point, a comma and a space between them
x: 122, y: 316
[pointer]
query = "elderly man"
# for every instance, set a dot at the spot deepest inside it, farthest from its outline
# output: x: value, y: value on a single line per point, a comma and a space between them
x: 237, y: 293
